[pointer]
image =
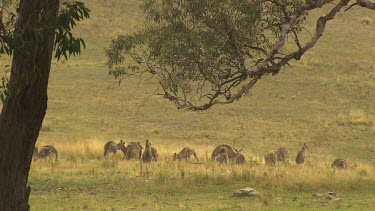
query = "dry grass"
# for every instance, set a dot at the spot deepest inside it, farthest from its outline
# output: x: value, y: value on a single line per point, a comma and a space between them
x: 85, y: 154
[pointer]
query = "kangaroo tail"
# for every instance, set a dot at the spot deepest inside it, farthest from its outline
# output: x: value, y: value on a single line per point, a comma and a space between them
x: 195, y: 155
x: 55, y: 152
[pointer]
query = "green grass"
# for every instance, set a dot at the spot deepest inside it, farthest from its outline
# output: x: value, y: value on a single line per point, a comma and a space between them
x: 119, y: 185
x: 326, y: 100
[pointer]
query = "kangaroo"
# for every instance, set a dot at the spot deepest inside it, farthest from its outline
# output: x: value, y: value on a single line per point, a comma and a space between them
x: 300, y: 159
x: 48, y: 151
x: 223, y: 158
x: 112, y: 147
x: 339, y: 164
x: 155, y: 154
x: 121, y: 146
x: 133, y: 150
x: 270, y: 159
x: 231, y: 152
x: 240, y: 158
x: 185, y: 154
x: 137, y: 146
x: 282, y: 154
x: 147, y: 154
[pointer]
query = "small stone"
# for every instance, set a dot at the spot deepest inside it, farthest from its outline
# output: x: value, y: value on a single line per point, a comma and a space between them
x: 246, y: 192
x: 278, y: 199
x: 333, y: 198
x: 318, y: 194
x: 331, y: 194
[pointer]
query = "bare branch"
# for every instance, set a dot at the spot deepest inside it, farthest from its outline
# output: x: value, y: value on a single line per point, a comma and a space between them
x: 351, y: 6
x: 366, y: 3
x: 320, y: 27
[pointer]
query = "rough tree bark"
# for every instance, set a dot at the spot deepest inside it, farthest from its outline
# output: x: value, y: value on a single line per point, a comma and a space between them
x: 22, y: 114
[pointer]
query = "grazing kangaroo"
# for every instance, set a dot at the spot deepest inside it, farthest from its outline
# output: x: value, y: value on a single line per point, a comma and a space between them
x: 155, y: 154
x: 112, y: 147
x: 339, y: 163
x: 231, y: 152
x: 185, y: 154
x: 270, y: 159
x: 240, y: 158
x: 147, y: 154
x: 223, y: 157
x: 133, y: 151
x: 48, y: 151
x: 300, y: 159
x: 138, y: 146
x: 282, y: 154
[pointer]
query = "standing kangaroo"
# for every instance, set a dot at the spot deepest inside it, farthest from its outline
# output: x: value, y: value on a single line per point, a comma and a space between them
x: 240, y: 158
x: 282, y: 154
x: 112, y: 147
x: 48, y: 151
x: 300, y: 159
x: 231, y: 152
x: 147, y: 154
x: 185, y: 153
x: 270, y: 159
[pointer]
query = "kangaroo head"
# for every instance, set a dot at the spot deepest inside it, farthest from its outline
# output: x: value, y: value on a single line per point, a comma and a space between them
x: 121, y: 145
x: 305, y: 146
x: 148, y: 144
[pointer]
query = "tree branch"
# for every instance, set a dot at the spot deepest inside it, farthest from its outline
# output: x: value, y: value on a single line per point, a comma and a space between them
x: 367, y: 3
x: 320, y: 27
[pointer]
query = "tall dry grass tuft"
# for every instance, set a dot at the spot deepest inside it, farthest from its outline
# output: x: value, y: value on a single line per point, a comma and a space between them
x: 356, y: 117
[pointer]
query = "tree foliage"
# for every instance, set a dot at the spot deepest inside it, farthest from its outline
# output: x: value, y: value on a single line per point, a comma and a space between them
x: 213, y: 52
x: 66, y: 44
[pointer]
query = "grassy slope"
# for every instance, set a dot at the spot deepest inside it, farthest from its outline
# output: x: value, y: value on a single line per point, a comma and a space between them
x: 326, y: 100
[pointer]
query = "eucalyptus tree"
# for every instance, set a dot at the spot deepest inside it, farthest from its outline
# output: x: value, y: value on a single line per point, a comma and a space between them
x: 212, y: 52
x: 30, y: 30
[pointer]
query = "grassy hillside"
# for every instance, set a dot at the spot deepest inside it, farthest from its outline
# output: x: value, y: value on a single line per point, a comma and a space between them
x: 327, y: 100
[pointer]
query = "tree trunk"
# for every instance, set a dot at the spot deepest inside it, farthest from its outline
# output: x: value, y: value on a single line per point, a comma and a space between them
x: 23, y: 112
